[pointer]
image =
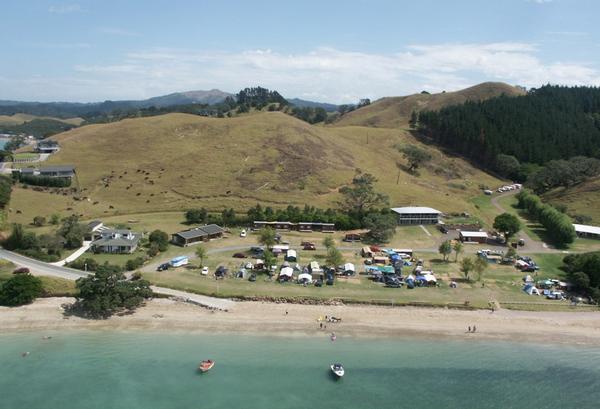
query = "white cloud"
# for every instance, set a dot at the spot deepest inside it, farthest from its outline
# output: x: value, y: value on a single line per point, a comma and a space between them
x: 321, y: 74
x: 65, y: 8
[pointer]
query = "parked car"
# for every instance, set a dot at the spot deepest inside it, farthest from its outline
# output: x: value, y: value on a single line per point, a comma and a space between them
x: 163, y: 267
x: 239, y: 255
x: 443, y: 229
x: 21, y: 270
x: 243, y: 233
x: 204, y: 271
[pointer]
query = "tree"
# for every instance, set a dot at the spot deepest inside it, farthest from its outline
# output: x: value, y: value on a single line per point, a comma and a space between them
x: 415, y: 156
x: 266, y: 237
x: 20, y: 289
x: 466, y: 266
x: 480, y: 266
x: 508, y: 224
x: 361, y: 196
x: 160, y: 238
x: 414, y: 119
x: 228, y: 217
x: 382, y: 227
x: 73, y: 232
x: 107, y: 292
x: 39, y: 221
x: 15, y: 240
x: 508, y: 166
x: 334, y: 257
x: 328, y: 242
x: 196, y: 216
x: 445, y: 249
x: 458, y: 249
x: 511, y: 252
x: 5, y: 190
x: 54, y: 219
x: 201, y: 254
x: 269, y: 260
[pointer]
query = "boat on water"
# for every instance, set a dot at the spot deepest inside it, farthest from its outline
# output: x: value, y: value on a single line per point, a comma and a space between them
x: 337, y: 370
x: 206, y: 365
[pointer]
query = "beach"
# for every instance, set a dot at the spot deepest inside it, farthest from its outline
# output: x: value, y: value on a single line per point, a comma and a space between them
x: 271, y: 319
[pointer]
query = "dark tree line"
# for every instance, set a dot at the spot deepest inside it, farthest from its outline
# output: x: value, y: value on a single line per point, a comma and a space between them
x: 549, y: 123
x: 583, y: 271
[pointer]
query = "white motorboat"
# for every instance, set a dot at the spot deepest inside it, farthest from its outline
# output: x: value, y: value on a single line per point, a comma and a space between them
x: 337, y: 370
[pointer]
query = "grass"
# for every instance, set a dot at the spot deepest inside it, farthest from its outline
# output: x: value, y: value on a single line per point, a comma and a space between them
x: 394, y: 112
x: 25, y: 155
x: 583, y: 199
x: 53, y: 286
x: 19, y: 119
x: 174, y: 162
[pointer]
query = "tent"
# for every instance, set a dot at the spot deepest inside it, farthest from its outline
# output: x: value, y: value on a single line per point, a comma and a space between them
x: 531, y: 290
x: 314, y: 267
x: 286, y: 272
x: 291, y: 255
x: 349, y: 269
x: 305, y: 278
x: 410, y: 281
x: 528, y: 279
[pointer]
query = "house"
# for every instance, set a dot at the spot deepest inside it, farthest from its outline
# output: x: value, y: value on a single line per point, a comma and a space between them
x: 355, y: 235
x: 590, y: 232
x: 116, y: 241
x: 47, y: 146
x: 473, y: 237
x: 417, y: 215
x: 197, y: 235
x: 64, y: 171
x: 302, y: 226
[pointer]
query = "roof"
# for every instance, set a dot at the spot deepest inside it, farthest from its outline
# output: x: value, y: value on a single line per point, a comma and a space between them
x: 28, y: 170
x: 117, y: 231
x: 582, y: 228
x: 291, y: 253
x: 61, y: 168
x: 481, y: 234
x: 117, y: 242
x: 415, y: 210
x: 200, y: 231
x: 94, y: 223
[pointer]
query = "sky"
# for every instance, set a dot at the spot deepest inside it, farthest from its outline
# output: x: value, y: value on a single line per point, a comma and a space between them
x: 326, y: 50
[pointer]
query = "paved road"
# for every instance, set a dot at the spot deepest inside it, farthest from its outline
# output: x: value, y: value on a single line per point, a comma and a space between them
x: 40, y: 268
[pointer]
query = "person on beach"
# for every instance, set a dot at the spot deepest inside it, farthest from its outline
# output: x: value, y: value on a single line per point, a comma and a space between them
x: 320, y: 325
x: 474, y: 328
x: 469, y: 329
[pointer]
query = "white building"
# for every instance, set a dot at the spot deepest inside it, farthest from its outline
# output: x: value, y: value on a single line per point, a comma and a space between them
x: 417, y: 215
x: 591, y: 232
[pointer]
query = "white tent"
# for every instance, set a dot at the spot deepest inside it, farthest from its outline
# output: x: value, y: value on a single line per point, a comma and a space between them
x: 349, y: 268
x: 287, y: 272
x: 314, y: 267
x: 305, y: 276
x: 291, y: 255
x: 531, y: 290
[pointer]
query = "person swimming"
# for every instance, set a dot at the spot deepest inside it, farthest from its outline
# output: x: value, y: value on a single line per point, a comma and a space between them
x: 24, y: 354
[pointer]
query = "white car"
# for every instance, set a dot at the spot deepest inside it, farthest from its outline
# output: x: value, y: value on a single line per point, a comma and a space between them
x: 204, y: 271
x: 243, y: 233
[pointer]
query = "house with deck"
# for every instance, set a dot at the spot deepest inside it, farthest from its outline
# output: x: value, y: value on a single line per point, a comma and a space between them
x: 417, y: 215
x: 197, y: 235
x: 116, y: 241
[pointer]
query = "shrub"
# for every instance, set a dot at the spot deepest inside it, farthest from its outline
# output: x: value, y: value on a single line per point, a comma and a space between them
x: 21, y: 289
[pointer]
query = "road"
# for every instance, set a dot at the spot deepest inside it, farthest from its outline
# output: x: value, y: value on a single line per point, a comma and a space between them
x: 531, y: 245
x: 40, y: 268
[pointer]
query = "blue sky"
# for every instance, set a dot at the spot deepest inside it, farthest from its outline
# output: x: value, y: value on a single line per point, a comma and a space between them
x: 336, y: 51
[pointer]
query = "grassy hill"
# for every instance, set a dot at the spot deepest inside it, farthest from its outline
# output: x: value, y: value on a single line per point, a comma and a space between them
x: 393, y: 112
x: 583, y: 199
x: 178, y: 161
x: 19, y: 119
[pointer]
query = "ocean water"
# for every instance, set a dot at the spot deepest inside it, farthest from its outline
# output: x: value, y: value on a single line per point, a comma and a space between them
x: 98, y: 369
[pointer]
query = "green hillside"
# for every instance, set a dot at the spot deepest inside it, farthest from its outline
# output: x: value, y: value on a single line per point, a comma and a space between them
x: 178, y: 161
x: 393, y: 112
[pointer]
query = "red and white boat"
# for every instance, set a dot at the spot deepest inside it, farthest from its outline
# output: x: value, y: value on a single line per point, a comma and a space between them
x: 206, y: 365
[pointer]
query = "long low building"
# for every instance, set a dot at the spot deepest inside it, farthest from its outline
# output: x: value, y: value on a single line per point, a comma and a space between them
x: 590, y: 232
x: 301, y: 226
x: 197, y: 235
x: 417, y: 215
x: 473, y: 236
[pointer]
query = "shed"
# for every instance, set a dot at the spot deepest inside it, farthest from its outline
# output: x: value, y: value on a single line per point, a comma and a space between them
x: 366, y: 252
x: 473, y: 236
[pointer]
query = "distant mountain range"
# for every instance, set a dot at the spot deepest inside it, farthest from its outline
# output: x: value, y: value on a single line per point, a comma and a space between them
x: 76, y: 109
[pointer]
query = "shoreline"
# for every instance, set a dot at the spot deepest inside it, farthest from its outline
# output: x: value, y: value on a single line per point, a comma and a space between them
x: 358, y: 321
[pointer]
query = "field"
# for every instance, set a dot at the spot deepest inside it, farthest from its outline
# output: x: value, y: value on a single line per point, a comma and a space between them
x: 583, y: 199
x: 19, y: 119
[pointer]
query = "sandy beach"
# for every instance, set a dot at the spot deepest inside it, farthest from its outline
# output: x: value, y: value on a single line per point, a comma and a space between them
x: 581, y: 328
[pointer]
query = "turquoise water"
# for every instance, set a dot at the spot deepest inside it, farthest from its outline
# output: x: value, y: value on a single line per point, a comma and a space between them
x: 94, y: 369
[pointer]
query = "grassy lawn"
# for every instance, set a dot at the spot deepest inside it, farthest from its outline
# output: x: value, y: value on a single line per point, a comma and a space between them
x: 501, y: 283
x: 486, y: 212
x: 27, y: 155
x: 53, y: 286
